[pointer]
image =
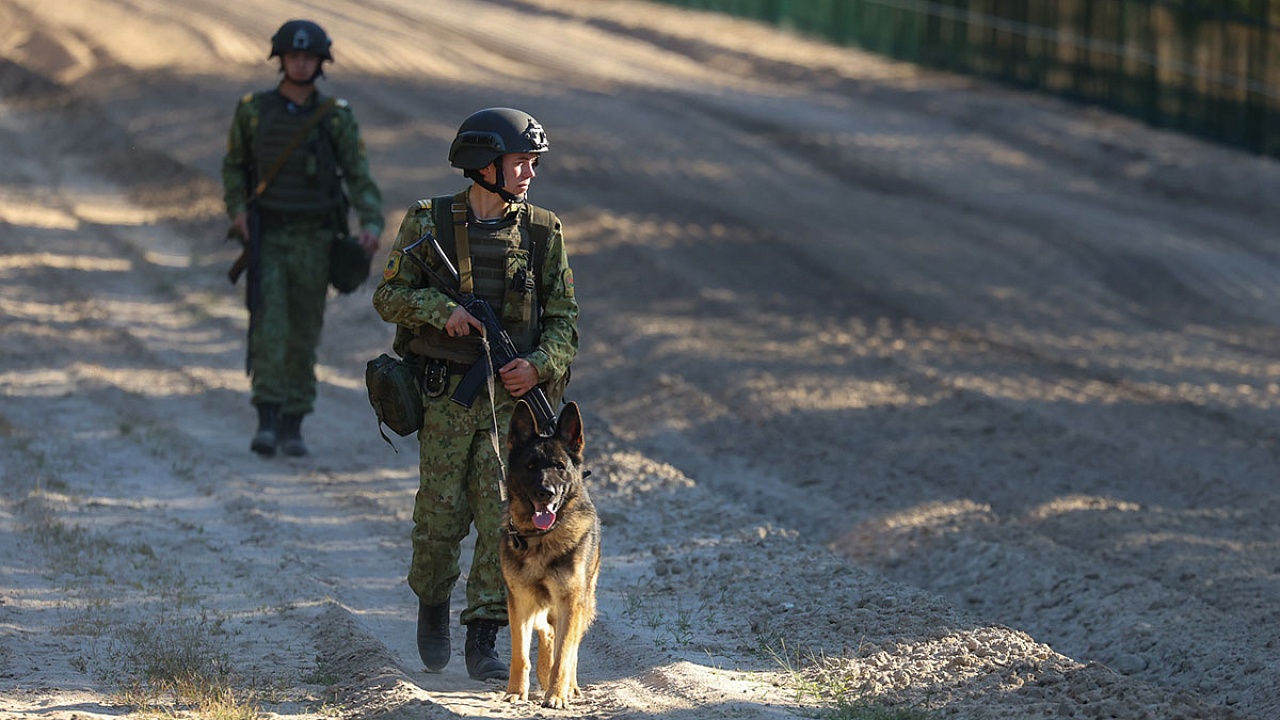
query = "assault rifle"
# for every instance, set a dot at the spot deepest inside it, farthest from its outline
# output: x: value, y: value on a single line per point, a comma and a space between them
x: 501, y: 349
x: 248, y: 260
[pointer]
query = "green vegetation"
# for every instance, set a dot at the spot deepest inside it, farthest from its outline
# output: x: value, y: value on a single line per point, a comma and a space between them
x: 175, y: 663
x: 835, y: 685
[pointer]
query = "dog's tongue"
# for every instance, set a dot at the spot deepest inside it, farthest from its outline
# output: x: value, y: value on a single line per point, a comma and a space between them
x: 544, y: 519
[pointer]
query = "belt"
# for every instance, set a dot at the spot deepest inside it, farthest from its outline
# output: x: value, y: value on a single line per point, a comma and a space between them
x: 455, y: 367
x: 286, y: 218
x: 435, y: 381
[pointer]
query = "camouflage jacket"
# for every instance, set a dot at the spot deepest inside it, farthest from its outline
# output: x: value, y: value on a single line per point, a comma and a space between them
x: 404, y: 297
x: 349, y: 149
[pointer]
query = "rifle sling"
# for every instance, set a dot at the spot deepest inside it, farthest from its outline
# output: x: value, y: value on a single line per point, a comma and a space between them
x: 321, y: 112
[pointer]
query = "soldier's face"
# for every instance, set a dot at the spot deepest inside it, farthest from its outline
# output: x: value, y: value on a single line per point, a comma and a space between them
x: 518, y: 172
x: 300, y: 67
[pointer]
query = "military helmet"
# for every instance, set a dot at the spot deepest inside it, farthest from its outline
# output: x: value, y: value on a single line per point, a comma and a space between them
x: 301, y: 35
x: 489, y: 134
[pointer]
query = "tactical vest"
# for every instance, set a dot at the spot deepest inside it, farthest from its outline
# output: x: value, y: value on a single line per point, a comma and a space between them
x: 506, y: 264
x: 308, y: 182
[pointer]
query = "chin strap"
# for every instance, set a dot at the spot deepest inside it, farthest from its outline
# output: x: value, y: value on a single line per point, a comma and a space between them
x: 495, y: 188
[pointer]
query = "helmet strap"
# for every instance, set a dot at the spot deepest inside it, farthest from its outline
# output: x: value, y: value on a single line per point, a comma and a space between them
x: 495, y: 188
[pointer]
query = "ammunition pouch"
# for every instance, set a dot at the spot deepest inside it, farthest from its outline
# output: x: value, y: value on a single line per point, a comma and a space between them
x: 395, y: 392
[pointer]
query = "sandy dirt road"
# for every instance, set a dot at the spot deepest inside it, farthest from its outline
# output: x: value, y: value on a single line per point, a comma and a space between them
x: 967, y: 392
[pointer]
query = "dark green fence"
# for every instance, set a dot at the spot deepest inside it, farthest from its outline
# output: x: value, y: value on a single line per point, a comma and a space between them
x: 1210, y: 67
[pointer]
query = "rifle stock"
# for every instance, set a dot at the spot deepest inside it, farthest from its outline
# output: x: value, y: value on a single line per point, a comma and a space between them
x: 501, y: 349
x: 242, y: 260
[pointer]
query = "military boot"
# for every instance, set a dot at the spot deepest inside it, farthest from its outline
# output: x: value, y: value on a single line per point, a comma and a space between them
x: 264, y: 441
x: 482, y: 656
x: 433, y: 635
x: 290, y: 435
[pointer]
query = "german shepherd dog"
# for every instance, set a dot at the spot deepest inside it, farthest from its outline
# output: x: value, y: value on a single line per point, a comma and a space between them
x: 551, y: 556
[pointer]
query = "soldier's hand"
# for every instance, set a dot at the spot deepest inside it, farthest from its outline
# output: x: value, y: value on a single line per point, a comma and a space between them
x: 240, y: 223
x: 461, y: 322
x: 369, y: 241
x: 518, y: 376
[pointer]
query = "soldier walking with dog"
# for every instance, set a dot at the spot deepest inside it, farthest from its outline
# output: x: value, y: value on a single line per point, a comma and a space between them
x: 512, y: 254
x: 289, y: 153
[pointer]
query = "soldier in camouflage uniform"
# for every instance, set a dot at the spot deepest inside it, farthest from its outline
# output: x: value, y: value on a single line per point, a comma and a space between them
x: 516, y: 260
x: 300, y: 210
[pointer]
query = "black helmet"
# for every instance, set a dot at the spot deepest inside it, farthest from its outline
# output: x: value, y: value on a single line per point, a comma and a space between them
x: 491, y: 133
x: 301, y: 35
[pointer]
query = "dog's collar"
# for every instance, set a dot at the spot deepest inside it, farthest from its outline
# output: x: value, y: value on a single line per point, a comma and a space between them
x: 519, y: 540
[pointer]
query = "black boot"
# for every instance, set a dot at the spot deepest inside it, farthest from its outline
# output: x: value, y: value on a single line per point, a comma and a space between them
x: 482, y: 657
x: 433, y: 635
x: 290, y: 433
x: 264, y: 441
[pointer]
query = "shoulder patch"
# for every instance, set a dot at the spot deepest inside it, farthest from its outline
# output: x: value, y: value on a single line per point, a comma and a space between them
x: 567, y: 279
x: 393, y: 265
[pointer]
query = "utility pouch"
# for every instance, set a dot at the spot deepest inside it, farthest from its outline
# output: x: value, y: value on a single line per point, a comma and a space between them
x: 521, y: 288
x: 395, y: 392
x: 348, y: 264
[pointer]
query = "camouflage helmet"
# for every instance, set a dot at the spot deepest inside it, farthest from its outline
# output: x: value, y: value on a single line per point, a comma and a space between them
x: 489, y: 134
x: 302, y: 35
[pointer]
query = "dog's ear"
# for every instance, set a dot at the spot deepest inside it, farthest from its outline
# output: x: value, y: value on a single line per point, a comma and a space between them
x: 523, y: 426
x: 569, y: 428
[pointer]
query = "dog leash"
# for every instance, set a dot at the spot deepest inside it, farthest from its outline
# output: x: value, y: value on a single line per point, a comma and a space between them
x: 493, y: 423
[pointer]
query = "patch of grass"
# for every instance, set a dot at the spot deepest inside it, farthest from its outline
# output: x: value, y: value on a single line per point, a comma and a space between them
x: 92, y: 620
x: 190, y: 696
x: 669, y: 629
x: 175, y: 664
x: 317, y: 677
x: 836, y: 687
x: 866, y: 710
x: 71, y: 549
x: 173, y: 668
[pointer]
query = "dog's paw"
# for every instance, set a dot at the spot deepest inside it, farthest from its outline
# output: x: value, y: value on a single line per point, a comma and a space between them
x: 513, y: 697
x: 559, y: 702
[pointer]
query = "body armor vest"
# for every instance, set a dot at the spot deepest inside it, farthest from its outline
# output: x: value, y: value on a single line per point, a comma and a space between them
x: 308, y: 182
x: 503, y: 274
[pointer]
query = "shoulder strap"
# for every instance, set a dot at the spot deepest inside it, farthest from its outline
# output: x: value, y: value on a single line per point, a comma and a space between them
x: 442, y: 212
x: 538, y: 221
x: 458, y: 211
x: 321, y: 112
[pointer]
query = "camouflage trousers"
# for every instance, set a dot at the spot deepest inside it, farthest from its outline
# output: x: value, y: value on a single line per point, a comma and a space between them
x: 459, y: 478
x: 293, y: 279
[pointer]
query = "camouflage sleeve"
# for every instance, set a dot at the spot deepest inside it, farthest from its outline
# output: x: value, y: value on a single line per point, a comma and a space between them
x: 402, y: 296
x: 235, y: 192
x: 559, y: 341
x: 364, y: 193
